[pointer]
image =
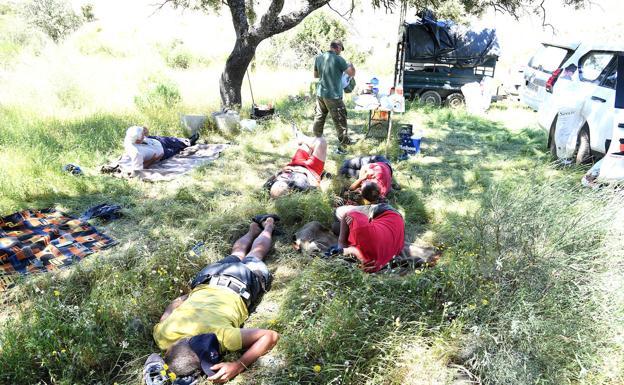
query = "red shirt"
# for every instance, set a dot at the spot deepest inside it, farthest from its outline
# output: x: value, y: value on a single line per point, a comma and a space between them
x: 382, y: 175
x: 378, y: 240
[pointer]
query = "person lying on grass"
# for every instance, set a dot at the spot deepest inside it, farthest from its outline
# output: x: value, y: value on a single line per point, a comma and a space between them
x: 375, y: 168
x: 304, y: 170
x: 144, y: 150
x: 374, y: 234
x: 197, y: 328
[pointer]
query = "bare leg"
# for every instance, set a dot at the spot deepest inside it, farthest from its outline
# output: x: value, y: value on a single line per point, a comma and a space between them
x: 244, y: 243
x: 262, y: 244
x: 319, y: 149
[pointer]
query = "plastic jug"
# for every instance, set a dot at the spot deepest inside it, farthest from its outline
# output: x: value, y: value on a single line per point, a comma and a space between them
x: 416, y: 140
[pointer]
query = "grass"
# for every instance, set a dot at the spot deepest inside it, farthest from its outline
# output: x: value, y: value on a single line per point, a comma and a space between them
x: 525, y: 292
x: 529, y: 290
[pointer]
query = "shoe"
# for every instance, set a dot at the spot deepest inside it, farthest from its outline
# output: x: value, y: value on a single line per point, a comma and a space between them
x: 259, y: 219
x: 194, y: 138
x: 153, y: 370
x: 340, y: 151
x: 72, y: 169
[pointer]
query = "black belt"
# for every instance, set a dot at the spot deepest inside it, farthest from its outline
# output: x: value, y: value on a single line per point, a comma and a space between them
x: 231, y: 283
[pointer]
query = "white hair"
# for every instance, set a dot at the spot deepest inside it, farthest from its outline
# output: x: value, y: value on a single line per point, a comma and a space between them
x: 132, y: 135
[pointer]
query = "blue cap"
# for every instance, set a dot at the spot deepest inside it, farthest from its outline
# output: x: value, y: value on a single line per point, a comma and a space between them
x: 206, y: 346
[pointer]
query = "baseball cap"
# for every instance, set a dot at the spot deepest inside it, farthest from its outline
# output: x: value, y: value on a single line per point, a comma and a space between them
x: 206, y: 346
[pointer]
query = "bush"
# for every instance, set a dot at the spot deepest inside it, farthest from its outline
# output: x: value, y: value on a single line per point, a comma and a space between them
x: 157, y: 93
x: 54, y: 17
x: 531, y: 268
x: 87, y: 12
x: 307, y: 40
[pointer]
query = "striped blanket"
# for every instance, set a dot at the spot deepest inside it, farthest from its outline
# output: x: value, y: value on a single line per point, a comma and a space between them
x: 34, y: 241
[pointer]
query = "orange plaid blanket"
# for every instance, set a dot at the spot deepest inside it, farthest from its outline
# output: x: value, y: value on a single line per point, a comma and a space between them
x: 35, y: 241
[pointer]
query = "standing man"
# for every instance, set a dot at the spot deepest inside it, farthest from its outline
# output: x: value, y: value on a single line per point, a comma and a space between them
x: 329, y: 67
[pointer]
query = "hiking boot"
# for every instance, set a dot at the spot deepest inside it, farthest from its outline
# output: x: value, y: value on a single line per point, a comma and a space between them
x: 340, y: 151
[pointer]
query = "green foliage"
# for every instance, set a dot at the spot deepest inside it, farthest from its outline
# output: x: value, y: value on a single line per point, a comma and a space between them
x: 527, y: 290
x: 308, y: 39
x: 87, y: 12
x: 176, y: 55
x: 54, y: 17
x: 157, y: 92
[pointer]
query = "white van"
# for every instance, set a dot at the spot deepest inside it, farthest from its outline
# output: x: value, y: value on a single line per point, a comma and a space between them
x: 583, y: 94
x: 541, y: 68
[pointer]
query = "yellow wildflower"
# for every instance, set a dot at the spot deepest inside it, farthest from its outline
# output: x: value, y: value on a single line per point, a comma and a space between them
x: 165, y: 366
x: 163, y: 373
x: 57, y: 293
x: 316, y: 368
x: 484, y: 301
x: 172, y: 376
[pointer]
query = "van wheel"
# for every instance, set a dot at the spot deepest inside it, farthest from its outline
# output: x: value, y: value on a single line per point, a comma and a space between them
x: 455, y: 100
x: 583, y: 149
x: 431, y: 98
x: 552, y: 146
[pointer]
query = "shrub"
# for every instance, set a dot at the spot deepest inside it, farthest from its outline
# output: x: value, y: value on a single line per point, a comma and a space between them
x: 54, y: 17
x: 157, y: 93
x: 530, y: 270
x: 307, y: 40
x: 87, y: 12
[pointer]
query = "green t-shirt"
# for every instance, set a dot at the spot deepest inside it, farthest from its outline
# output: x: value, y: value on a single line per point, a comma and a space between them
x: 330, y: 68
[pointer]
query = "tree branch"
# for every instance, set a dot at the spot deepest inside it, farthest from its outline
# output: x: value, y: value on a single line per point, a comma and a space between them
x: 272, y: 24
x: 239, y: 18
x: 159, y: 6
x: 342, y: 15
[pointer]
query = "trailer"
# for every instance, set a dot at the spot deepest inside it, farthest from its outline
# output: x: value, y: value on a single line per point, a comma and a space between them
x: 435, y: 59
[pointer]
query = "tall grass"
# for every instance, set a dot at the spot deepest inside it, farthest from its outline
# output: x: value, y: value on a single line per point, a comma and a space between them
x: 528, y: 291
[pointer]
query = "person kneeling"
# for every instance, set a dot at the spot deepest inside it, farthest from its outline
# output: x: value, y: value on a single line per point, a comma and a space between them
x: 144, y: 150
x: 304, y: 170
x: 197, y: 328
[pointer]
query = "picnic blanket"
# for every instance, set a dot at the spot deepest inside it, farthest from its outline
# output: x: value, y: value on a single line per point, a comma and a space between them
x: 168, y: 169
x: 36, y: 241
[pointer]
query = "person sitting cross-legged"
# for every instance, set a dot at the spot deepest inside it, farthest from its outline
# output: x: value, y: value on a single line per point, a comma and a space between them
x: 197, y: 328
x: 304, y: 170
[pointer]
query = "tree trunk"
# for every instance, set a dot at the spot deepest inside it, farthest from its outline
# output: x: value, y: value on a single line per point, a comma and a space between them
x: 247, y: 40
x: 234, y: 74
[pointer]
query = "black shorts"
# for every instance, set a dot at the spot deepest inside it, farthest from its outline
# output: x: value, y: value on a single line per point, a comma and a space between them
x: 251, y: 271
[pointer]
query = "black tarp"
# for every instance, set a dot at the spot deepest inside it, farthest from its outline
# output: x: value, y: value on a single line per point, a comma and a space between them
x: 434, y: 41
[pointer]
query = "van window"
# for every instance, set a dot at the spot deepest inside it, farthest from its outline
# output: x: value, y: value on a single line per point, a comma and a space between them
x: 593, y: 66
x: 549, y: 58
x: 610, y: 78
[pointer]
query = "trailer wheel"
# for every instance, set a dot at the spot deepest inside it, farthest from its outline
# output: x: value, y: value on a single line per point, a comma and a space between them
x: 455, y: 100
x: 431, y: 98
